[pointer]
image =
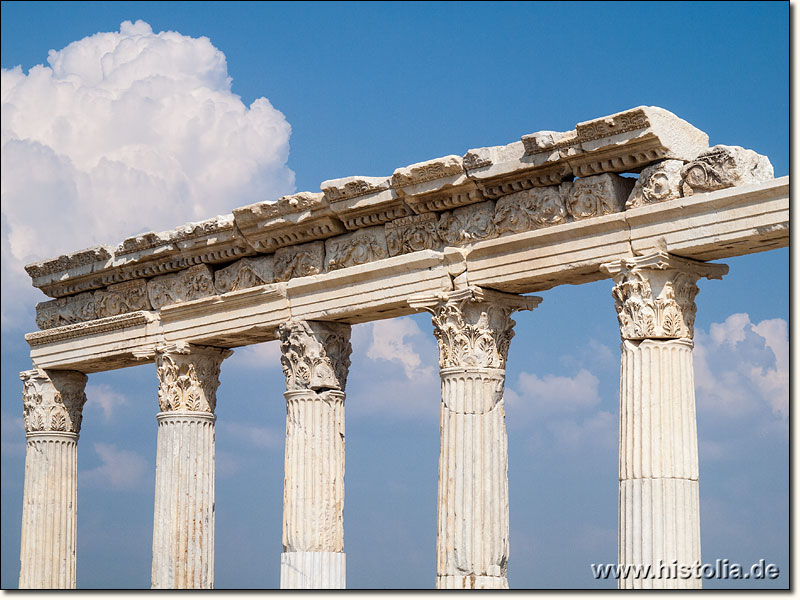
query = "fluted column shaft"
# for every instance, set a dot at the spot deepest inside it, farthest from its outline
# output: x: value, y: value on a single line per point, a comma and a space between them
x: 473, y: 329
x: 315, y: 357
x: 659, y: 502
x: 53, y: 403
x: 183, y: 521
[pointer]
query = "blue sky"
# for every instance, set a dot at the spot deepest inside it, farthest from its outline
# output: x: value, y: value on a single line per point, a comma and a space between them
x: 364, y: 90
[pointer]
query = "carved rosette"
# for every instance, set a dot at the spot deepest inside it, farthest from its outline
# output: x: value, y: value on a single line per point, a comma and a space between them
x: 315, y: 355
x: 188, y: 377
x: 654, y: 295
x: 473, y: 326
x: 53, y: 401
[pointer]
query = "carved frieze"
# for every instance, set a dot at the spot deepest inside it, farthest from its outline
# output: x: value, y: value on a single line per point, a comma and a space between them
x: 66, y: 311
x: 53, y: 401
x: 654, y: 295
x: 356, y: 248
x: 530, y: 209
x: 468, y: 224
x: 473, y: 326
x: 596, y: 195
x: 121, y: 298
x: 336, y: 190
x: 244, y: 273
x: 190, y: 284
x: 299, y: 261
x: 315, y: 355
x: 657, y: 183
x: 723, y: 167
x: 77, y: 261
x: 188, y: 377
x: 410, y: 234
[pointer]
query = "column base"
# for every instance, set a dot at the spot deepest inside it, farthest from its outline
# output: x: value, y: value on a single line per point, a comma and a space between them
x: 471, y: 582
x: 312, y: 570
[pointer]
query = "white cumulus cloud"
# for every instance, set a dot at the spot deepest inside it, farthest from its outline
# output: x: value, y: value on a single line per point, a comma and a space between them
x: 106, y: 398
x: 124, y: 132
x: 742, y: 368
x: 389, y: 342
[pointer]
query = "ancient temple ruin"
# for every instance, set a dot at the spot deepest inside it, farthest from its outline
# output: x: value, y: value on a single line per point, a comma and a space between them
x: 462, y: 237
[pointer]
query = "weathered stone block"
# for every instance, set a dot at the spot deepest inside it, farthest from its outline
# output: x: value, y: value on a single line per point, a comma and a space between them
x: 299, y: 261
x: 597, y: 195
x: 530, y: 209
x: 357, y: 248
x: 121, y: 298
x: 724, y: 167
x: 244, y: 273
x: 468, y: 224
x: 66, y: 311
x: 436, y: 185
x: 657, y: 183
x: 410, y: 234
x: 364, y: 201
x: 189, y: 284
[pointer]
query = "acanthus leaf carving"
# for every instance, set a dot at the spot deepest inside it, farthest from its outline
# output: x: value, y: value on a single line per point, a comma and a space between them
x: 188, y: 377
x: 468, y: 224
x: 657, y: 183
x: 357, y: 248
x: 244, y: 273
x: 53, y: 400
x: 654, y: 295
x: 723, y: 167
x: 121, y: 298
x: 298, y: 261
x: 66, y: 311
x: 315, y: 355
x: 190, y: 284
x: 530, y: 209
x: 473, y: 327
x: 411, y: 234
x: 596, y: 195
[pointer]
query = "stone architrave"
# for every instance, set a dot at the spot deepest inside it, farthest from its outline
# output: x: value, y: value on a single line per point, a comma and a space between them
x: 52, y: 408
x: 473, y: 328
x: 183, y: 522
x: 315, y: 357
x: 659, y: 504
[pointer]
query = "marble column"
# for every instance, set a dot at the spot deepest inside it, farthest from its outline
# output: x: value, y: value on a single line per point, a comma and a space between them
x: 52, y: 407
x: 315, y: 357
x: 183, y: 523
x: 473, y: 329
x: 659, y: 505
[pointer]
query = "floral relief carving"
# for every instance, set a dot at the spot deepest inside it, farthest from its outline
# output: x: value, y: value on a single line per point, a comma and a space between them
x: 410, y: 234
x: 356, y: 248
x: 315, y: 355
x: 596, y: 195
x: 723, y: 167
x: 468, y: 224
x: 66, y: 311
x: 654, y: 295
x: 188, y: 377
x: 657, y: 183
x: 298, y: 261
x: 243, y: 274
x: 530, y: 209
x: 189, y: 284
x: 121, y: 298
x: 53, y: 402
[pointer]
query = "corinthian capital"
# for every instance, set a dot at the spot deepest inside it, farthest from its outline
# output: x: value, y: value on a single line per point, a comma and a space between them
x: 654, y: 294
x: 315, y: 355
x: 188, y: 377
x: 53, y: 401
x: 473, y: 326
